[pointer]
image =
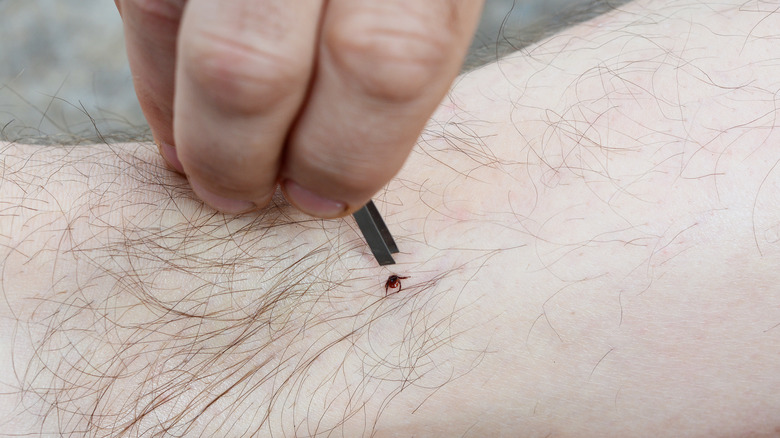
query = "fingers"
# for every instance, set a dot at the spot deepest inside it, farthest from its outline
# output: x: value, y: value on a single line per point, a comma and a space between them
x: 383, y: 68
x: 243, y: 73
x: 239, y: 77
x: 150, y: 28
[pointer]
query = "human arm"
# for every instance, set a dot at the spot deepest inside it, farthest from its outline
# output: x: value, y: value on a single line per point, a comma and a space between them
x: 588, y: 227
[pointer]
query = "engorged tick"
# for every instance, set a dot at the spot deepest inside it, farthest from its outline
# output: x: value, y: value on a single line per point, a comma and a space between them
x: 394, y: 282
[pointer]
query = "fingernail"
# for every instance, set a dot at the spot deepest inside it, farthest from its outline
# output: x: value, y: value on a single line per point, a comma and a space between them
x: 225, y: 205
x: 169, y: 154
x: 311, y: 203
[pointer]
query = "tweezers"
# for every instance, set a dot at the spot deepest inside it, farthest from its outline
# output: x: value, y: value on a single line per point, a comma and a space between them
x: 376, y: 234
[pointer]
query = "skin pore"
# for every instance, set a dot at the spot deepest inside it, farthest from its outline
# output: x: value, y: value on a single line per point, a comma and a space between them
x: 589, y: 227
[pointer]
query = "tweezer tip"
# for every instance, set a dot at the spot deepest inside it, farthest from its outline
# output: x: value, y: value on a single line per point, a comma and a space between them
x: 376, y: 233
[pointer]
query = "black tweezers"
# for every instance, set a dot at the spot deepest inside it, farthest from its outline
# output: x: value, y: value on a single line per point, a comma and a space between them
x: 376, y: 234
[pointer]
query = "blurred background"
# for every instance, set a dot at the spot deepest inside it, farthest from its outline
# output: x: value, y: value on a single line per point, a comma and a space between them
x: 64, y: 76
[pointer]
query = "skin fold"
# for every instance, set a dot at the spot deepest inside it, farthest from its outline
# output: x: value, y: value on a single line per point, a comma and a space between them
x: 589, y: 227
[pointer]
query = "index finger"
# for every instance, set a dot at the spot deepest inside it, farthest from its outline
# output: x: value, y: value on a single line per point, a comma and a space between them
x: 243, y: 70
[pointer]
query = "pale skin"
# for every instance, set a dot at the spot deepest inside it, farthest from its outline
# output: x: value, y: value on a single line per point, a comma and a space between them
x: 245, y: 95
x: 589, y: 228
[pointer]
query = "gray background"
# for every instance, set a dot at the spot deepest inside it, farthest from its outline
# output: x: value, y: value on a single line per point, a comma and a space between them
x: 64, y: 75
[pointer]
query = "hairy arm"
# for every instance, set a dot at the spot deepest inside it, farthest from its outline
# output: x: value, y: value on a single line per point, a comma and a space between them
x: 589, y: 225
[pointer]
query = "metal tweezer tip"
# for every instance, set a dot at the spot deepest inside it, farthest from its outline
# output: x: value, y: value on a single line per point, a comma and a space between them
x: 376, y: 234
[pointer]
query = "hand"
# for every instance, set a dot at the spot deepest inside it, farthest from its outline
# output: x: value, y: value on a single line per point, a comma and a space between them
x: 325, y: 97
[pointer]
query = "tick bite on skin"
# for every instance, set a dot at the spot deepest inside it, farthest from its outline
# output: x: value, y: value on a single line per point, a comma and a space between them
x: 394, y: 282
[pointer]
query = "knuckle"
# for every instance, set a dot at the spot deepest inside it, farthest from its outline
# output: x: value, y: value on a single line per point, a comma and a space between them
x: 239, y: 77
x: 393, y: 63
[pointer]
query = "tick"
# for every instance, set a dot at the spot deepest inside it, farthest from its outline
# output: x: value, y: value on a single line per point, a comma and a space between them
x: 394, y: 282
